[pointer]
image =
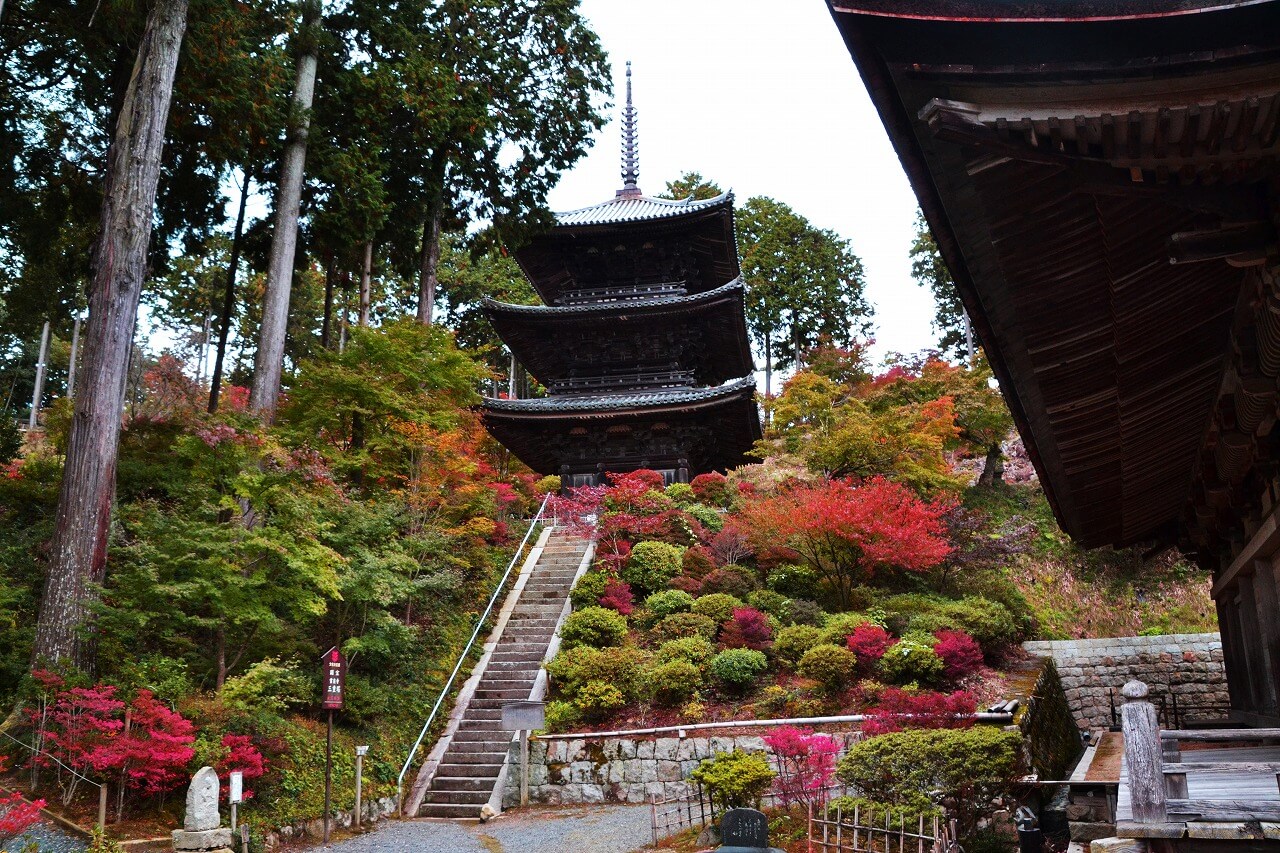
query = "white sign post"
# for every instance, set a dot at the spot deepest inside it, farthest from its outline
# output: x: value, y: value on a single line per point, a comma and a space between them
x: 236, y: 796
x: 524, y: 717
x: 361, y: 752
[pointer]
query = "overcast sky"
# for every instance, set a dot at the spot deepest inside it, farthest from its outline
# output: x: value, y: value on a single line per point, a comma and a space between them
x: 762, y: 97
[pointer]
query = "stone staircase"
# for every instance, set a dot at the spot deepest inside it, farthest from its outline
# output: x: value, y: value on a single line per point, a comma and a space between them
x: 473, y: 760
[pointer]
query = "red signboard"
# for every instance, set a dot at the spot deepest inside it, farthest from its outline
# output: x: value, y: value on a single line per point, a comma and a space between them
x: 334, y: 677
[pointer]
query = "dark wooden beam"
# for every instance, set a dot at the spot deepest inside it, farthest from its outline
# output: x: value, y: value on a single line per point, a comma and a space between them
x: 1225, y: 242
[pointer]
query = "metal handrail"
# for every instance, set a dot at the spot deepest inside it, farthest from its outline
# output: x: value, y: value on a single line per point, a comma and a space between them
x: 444, y: 692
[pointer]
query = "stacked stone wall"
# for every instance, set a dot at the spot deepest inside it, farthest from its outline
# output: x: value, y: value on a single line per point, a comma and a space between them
x: 619, y: 770
x: 1187, y: 665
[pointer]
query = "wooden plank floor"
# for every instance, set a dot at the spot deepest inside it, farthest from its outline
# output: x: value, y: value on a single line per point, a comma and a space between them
x: 1258, y: 787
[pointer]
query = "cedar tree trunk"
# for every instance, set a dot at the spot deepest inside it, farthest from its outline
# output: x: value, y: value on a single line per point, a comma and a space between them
x: 430, y: 261
x: 269, y: 363
x: 229, y: 297
x: 78, y: 552
x: 993, y: 468
x: 366, y: 277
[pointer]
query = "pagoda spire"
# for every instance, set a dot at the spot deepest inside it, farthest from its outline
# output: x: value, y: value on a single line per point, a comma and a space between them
x: 630, y: 146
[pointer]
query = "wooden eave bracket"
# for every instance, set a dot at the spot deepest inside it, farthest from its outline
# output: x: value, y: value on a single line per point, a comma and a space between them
x: 1244, y: 243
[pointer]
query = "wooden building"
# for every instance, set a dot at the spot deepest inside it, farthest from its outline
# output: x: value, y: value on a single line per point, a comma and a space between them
x: 641, y: 344
x: 1101, y: 177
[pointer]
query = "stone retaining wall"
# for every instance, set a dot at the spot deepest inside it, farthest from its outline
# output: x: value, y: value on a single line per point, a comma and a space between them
x: 1188, y: 665
x: 619, y: 770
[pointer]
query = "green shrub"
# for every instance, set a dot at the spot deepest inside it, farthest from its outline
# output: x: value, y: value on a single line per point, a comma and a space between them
x: 681, y: 493
x: 11, y: 439
x: 598, y: 627
x: 736, y: 669
x: 718, y: 606
x: 266, y: 686
x: 706, y: 516
x: 669, y: 601
x: 791, y: 643
x: 733, y: 580
x: 679, y: 625
x: 839, y: 626
x: 674, y: 683
x: 651, y: 564
x: 989, y: 622
x: 561, y: 716
x: 793, y: 581
x: 775, y: 604
x: 598, y: 699
x: 971, y: 768
x: 802, y: 611
x: 911, y: 660
x: 735, y: 779
x: 549, y: 484
x: 830, y: 665
x: 772, y: 702
x: 695, y: 650
x: 909, y: 810
x: 587, y: 591
x: 572, y: 668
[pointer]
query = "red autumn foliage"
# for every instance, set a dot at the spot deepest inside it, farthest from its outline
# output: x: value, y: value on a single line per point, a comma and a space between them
x: 617, y: 596
x: 17, y: 816
x: 748, y: 628
x: 806, y: 763
x: 899, y: 709
x: 869, y: 642
x: 712, y: 489
x: 850, y: 533
x: 151, y: 754
x: 959, y: 652
x: 243, y: 756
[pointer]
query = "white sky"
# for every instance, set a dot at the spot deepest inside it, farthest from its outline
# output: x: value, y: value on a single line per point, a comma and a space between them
x: 762, y: 97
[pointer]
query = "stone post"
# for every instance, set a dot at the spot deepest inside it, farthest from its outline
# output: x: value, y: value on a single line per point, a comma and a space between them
x: 1142, y: 754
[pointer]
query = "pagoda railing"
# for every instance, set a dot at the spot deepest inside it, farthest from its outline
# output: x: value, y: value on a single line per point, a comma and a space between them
x: 614, y: 293
x: 623, y: 381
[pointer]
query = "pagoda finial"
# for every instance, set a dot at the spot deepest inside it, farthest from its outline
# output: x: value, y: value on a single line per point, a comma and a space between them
x: 630, y: 147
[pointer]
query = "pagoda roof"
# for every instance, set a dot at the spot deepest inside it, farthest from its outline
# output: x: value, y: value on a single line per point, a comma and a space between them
x: 639, y: 402
x: 1063, y: 153
x: 704, y: 333
x: 628, y: 207
x: 714, y: 427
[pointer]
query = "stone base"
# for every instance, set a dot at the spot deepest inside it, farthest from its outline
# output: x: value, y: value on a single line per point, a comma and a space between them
x: 208, y: 840
x: 1085, y: 831
x: 1118, y: 845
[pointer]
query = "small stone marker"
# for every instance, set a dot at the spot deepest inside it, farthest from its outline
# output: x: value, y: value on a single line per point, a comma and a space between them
x: 202, y: 802
x: 745, y: 831
x: 202, y: 827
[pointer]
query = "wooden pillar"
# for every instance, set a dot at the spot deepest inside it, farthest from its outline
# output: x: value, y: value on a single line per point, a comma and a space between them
x: 1267, y: 620
x: 1247, y: 639
x: 1142, y: 754
x: 1237, y: 684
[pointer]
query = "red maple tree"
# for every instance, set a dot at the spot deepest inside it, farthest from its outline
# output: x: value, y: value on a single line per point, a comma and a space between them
x: 851, y: 532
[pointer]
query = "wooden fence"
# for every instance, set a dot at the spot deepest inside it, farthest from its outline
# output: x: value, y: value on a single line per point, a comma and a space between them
x: 859, y: 832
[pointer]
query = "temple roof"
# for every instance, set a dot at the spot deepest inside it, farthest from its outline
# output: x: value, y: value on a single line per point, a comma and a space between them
x: 638, y: 208
x: 586, y: 405
x: 1063, y: 154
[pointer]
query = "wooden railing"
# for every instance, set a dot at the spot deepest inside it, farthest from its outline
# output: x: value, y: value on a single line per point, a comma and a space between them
x: 588, y: 295
x: 1157, y: 785
x: 856, y: 832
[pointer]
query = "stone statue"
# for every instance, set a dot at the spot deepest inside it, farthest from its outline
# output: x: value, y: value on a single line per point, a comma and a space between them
x: 202, y: 828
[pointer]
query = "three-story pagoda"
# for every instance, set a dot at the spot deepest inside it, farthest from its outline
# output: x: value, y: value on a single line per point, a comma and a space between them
x: 641, y: 343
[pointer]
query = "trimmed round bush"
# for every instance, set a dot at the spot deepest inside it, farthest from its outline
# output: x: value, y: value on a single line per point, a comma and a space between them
x: 718, y: 606
x: 695, y: 650
x: 735, y: 779
x: 736, y: 669
x: 651, y: 564
x: 679, y: 625
x: 775, y: 604
x: 729, y: 579
x: 839, y: 626
x: 830, y: 665
x: 794, y: 581
x: 911, y: 660
x: 802, y: 611
x: 674, y: 683
x: 561, y: 716
x: 961, y: 655
x: 597, y: 627
x: 696, y: 563
x: 681, y: 493
x: 669, y: 601
x: 547, y: 485
x: 587, y: 591
x: 706, y: 516
x: 713, y: 488
x: 572, y: 668
x: 792, y: 642
x: 598, y: 699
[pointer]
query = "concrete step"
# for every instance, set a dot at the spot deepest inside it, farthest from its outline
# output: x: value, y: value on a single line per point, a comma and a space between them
x: 463, y: 784
x: 473, y: 799
x: 449, y: 810
x: 455, y: 757
x: 486, y: 740
x: 479, y: 770
x: 501, y: 694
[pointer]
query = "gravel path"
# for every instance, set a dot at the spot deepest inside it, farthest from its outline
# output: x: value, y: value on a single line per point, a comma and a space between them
x: 50, y: 838
x: 599, y: 829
